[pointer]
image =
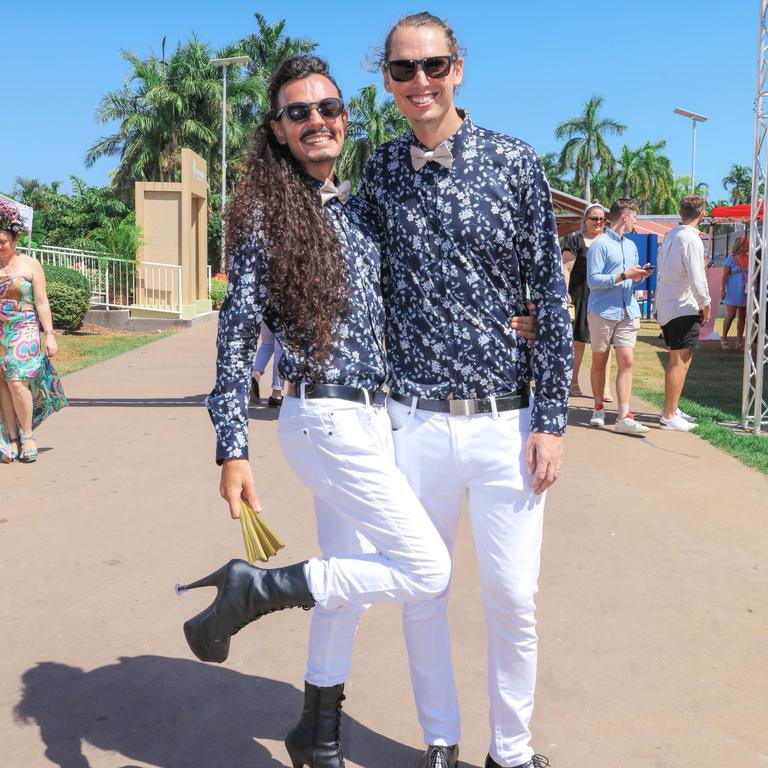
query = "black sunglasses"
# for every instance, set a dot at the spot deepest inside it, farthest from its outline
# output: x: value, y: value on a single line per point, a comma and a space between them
x: 403, y: 70
x: 596, y: 218
x: 298, y: 111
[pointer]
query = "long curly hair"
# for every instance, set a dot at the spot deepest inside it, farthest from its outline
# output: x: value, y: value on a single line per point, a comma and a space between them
x: 307, y: 277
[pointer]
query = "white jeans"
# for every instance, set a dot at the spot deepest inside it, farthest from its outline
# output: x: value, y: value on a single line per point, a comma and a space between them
x: 377, y: 541
x: 445, y: 457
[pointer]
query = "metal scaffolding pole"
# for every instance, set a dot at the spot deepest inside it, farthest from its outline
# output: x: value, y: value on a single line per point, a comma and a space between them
x: 754, y: 403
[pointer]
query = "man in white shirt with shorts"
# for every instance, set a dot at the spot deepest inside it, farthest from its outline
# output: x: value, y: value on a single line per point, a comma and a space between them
x: 682, y: 304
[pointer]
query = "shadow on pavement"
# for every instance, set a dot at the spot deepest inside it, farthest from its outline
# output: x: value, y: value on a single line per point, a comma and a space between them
x: 176, y: 713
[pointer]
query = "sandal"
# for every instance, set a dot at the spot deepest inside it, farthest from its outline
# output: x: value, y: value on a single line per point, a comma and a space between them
x: 724, y: 344
x: 576, y: 391
x: 27, y: 455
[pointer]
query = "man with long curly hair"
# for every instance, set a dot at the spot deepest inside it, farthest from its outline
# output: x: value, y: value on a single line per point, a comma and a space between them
x: 468, y: 227
x: 304, y: 259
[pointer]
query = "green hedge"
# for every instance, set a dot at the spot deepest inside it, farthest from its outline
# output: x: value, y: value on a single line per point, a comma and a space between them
x: 218, y: 292
x: 68, y: 305
x: 66, y: 276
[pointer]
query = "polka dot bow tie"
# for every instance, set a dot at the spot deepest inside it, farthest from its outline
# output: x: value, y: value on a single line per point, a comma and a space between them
x: 329, y: 190
x: 441, y: 155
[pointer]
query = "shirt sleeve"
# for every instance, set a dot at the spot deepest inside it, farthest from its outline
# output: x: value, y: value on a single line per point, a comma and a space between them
x: 597, y: 280
x: 542, y: 271
x: 693, y: 260
x: 570, y: 244
x: 239, y: 323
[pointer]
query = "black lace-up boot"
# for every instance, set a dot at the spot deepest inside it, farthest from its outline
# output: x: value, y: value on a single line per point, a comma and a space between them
x: 315, y: 741
x: 244, y: 594
x: 440, y: 757
x: 537, y: 761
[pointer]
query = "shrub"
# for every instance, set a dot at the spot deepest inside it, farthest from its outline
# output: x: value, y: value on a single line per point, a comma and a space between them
x: 218, y: 292
x: 68, y: 305
x: 66, y: 276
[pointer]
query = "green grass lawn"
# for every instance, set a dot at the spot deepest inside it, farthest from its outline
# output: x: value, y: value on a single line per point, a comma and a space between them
x: 83, y: 348
x: 712, y: 392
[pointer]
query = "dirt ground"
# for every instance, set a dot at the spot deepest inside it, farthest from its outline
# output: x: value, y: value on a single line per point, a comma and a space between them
x: 652, y: 607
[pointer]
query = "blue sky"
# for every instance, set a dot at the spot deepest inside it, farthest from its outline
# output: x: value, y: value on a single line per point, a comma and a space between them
x: 529, y: 66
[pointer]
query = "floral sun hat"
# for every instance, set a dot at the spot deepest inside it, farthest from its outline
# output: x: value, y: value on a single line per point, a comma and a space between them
x: 10, y: 218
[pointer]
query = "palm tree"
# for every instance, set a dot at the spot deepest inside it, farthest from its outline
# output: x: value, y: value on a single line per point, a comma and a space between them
x: 552, y: 169
x: 740, y: 179
x: 632, y: 173
x: 165, y: 105
x: 586, y: 149
x: 370, y: 124
x: 268, y: 47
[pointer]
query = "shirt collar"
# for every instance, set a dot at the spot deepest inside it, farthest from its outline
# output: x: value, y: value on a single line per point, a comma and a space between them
x: 614, y: 236
x: 456, y: 141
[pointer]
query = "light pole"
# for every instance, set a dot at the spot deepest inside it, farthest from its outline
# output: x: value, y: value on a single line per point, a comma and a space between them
x: 695, y: 118
x: 224, y: 63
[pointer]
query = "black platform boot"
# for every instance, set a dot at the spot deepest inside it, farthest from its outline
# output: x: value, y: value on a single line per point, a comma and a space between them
x: 315, y: 741
x: 244, y: 594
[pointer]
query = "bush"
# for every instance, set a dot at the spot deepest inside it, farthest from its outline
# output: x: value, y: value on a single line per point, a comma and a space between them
x: 68, y: 305
x: 218, y: 292
x: 66, y: 276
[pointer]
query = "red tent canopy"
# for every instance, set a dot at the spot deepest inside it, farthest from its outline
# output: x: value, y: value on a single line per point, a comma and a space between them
x: 736, y: 212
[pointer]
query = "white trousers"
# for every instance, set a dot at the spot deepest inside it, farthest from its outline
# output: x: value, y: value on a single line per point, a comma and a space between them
x: 482, y: 456
x: 377, y: 541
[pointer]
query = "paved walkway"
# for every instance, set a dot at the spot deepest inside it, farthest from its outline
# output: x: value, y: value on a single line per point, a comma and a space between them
x: 652, y: 610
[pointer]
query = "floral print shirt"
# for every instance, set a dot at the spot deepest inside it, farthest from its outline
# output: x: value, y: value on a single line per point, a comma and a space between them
x: 358, y: 358
x: 461, y: 249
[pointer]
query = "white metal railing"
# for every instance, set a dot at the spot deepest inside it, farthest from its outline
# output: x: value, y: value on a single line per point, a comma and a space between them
x: 119, y: 283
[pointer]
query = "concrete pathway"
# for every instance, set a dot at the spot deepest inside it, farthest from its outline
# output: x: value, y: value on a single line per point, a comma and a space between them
x: 652, y: 609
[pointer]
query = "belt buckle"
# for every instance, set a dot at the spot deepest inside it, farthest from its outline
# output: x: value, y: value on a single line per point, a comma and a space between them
x: 463, y: 407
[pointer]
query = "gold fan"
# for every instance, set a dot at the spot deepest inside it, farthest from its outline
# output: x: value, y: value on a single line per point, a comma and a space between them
x: 261, y: 542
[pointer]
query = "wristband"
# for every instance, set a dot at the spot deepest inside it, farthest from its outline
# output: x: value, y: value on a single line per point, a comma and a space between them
x: 623, y: 276
x: 48, y: 333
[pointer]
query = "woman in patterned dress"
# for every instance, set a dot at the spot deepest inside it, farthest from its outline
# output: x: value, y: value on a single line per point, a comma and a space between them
x: 29, y: 387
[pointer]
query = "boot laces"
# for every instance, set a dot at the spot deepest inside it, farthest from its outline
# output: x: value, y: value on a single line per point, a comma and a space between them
x: 538, y: 761
x: 339, y: 701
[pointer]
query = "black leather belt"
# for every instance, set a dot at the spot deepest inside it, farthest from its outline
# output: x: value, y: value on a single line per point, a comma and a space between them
x: 339, y: 391
x: 508, y: 402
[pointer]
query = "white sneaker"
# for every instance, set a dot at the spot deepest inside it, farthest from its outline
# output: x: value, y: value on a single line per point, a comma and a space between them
x: 598, y: 418
x: 678, y: 423
x: 628, y: 426
x: 682, y: 414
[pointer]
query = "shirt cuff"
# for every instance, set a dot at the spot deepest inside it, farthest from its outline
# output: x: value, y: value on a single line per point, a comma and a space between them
x: 548, y: 415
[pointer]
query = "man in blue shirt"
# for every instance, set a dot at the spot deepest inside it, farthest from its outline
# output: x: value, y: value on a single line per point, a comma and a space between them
x: 613, y: 312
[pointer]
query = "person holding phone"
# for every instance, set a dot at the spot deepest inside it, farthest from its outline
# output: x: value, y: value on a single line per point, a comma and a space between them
x: 613, y: 313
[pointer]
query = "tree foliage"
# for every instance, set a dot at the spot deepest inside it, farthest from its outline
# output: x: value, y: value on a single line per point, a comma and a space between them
x: 586, y: 150
x: 370, y: 123
x: 739, y: 179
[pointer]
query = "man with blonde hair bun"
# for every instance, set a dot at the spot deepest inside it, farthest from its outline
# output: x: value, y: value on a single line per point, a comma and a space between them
x: 682, y: 304
x: 469, y: 228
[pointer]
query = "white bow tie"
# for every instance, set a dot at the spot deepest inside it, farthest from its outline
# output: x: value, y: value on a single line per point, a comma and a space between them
x: 329, y: 190
x: 441, y: 155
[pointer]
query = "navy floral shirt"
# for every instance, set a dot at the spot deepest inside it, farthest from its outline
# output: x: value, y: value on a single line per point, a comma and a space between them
x: 461, y: 249
x: 358, y: 358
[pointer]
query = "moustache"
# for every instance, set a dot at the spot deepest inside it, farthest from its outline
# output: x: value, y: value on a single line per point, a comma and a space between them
x: 314, y: 131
